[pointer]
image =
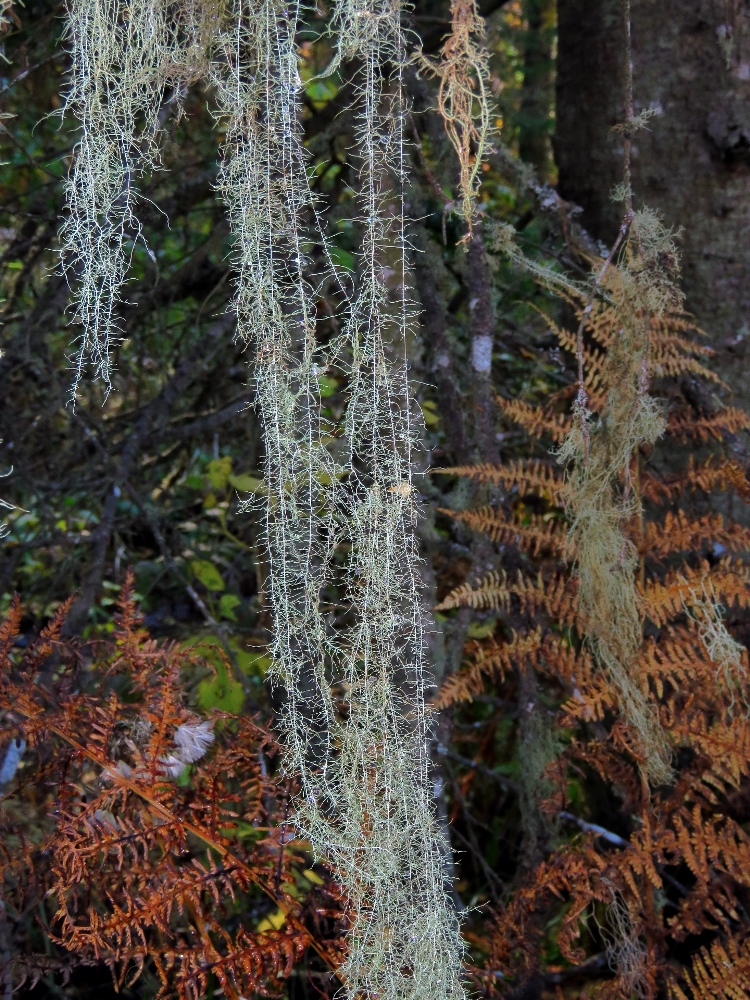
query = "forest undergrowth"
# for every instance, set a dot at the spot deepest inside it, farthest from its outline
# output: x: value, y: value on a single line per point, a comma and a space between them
x: 309, y: 782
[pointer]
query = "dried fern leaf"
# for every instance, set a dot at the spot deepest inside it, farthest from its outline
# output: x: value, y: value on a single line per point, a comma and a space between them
x: 533, y: 534
x: 707, y: 476
x: 724, y: 744
x: 491, y: 592
x: 555, y: 597
x: 524, y: 478
x: 665, y: 600
x: 489, y: 660
x: 730, y: 421
x: 535, y: 421
x: 679, y: 533
x: 720, y: 971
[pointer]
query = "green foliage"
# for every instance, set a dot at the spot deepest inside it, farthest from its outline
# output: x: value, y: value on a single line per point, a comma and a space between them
x: 221, y: 692
x: 214, y: 512
x: 208, y: 574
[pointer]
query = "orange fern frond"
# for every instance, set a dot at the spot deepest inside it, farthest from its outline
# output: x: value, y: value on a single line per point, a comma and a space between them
x: 720, y: 971
x: 555, y: 597
x: 9, y: 629
x: 591, y: 700
x: 138, y: 860
x: 535, y: 421
x: 725, y: 745
x: 489, y: 660
x: 522, y: 478
x: 491, y: 592
x: 533, y: 534
x: 711, y: 906
x: 677, y: 662
x: 709, y: 475
x: 728, y: 581
x: 666, y: 336
x: 678, y: 533
x: 730, y: 421
x: 594, y: 364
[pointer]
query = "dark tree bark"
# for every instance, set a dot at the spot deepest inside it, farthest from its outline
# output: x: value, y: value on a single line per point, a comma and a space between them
x: 691, y: 63
x: 536, y: 93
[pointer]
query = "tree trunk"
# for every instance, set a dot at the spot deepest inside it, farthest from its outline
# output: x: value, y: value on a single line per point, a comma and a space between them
x: 691, y: 63
x: 535, y: 116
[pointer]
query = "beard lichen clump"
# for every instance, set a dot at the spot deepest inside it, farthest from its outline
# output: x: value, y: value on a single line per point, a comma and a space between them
x: 405, y: 941
x: 128, y: 62
x: 366, y: 797
x: 120, y: 63
x: 601, y: 458
x: 463, y: 99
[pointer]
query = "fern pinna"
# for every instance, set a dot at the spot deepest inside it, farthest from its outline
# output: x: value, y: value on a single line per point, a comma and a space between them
x: 634, y: 887
x: 148, y: 839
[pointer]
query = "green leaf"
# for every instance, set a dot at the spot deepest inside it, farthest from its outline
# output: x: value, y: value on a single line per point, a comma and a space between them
x: 312, y: 876
x: 429, y: 415
x: 221, y: 692
x: 246, y: 483
x: 328, y: 385
x: 208, y: 574
x: 195, y: 482
x: 219, y: 471
x: 227, y: 604
x: 209, y: 647
x: 321, y: 91
x: 342, y: 258
x: 255, y: 664
x: 481, y: 630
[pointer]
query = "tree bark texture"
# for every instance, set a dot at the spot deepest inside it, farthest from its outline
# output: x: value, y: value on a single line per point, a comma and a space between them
x: 691, y: 63
x: 537, y: 90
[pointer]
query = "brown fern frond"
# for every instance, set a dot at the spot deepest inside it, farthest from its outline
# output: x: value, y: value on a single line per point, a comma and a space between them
x: 672, y: 354
x: 594, y: 364
x: 670, y: 362
x: 730, y: 421
x: 679, y: 533
x: 676, y: 662
x: 590, y: 701
x: 667, y: 333
x: 720, y: 971
x: 153, y: 821
x: 665, y: 600
x: 532, y: 533
x: 711, y: 906
x: 534, y: 420
x: 10, y: 628
x: 555, y: 596
x: 724, y: 744
x: 709, y: 475
x: 488, y: 660
x: 491, y: 592
x: 529, y: 478
x: 611, y: 767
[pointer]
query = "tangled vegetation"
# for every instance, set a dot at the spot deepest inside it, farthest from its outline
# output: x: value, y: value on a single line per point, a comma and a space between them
x: 433, y: 504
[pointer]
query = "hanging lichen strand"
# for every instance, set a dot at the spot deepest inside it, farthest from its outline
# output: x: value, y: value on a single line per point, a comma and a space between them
x: 602, y: 488
x: 120, y: 63
x: 264, y: 184
x: 463, y: 99
x: 365, y: 803
x: 405, y: 941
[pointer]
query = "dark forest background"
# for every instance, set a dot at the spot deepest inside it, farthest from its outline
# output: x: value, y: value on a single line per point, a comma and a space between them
x: 147, y: 480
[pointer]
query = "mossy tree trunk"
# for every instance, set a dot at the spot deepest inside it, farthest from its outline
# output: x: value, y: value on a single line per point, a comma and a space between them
x: 691, y: 63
